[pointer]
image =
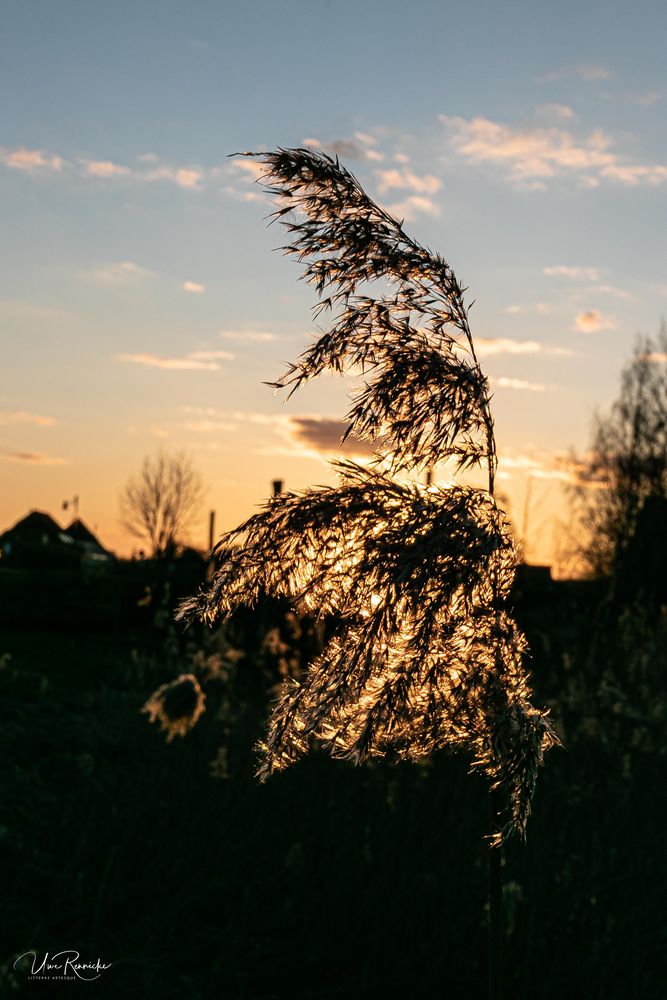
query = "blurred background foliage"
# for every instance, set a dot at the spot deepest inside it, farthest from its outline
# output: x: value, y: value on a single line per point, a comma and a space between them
x: 173, y: 864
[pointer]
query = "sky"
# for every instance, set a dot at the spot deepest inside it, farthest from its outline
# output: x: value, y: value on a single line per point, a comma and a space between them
x: 143, y: 305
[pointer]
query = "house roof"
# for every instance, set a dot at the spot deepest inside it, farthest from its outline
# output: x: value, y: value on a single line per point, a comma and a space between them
x: 80, y: 532
x: 36, y: 522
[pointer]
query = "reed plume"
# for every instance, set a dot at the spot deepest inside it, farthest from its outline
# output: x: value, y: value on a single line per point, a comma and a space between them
x: 427, y: 656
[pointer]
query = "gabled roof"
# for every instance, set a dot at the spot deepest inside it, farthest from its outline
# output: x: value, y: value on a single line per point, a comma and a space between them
x: 80, y: 532
x: 36, y: 522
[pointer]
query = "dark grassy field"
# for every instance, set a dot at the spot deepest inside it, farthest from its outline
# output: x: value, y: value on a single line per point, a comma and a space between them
x: 328, y: 881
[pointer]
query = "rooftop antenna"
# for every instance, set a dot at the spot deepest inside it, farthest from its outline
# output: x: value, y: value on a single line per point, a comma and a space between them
x: 74, y: 504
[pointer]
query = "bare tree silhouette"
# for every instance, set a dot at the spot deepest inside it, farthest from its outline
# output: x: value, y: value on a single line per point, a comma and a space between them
x: 627, y: 466
x: 160, y: 503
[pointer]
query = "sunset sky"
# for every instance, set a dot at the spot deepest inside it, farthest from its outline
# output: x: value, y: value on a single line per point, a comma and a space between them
x: 141, y: 305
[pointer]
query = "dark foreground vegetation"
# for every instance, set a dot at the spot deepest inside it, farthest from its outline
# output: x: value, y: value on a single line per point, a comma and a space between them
x: 328, y: 881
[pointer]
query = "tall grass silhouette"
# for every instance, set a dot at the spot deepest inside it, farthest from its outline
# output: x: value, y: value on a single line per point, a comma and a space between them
x: 427, y: 656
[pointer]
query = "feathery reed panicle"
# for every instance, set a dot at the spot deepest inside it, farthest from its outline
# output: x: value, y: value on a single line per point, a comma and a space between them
x: 177, y: 706
x: 426, y: 657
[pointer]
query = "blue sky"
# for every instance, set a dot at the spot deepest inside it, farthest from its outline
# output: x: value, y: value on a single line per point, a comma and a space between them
x: 141, y: 305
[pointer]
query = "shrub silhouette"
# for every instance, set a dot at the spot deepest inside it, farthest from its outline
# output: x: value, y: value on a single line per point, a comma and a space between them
x: 426, y: 657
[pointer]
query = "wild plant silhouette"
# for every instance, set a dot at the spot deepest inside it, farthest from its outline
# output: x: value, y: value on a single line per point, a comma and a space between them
x: 427, y: 657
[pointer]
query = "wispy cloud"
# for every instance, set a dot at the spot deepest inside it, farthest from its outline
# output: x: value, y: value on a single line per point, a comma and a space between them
x: 212, y: 355
x: 632, y: 175
x: 548, y: 465
x: 618, y: 293
x: 184, y: 177
x: 527, y: 153
x: 247, y: 170
x: 412, y: 206
x: 316, y: 437
x: 581, y: 71
x: 592, y: 320
x: 407, y: 180
x: 531, y: 156
x: 104, y: 169
x: 242, y: 195
x: 31, y: 457
x: 359, y: 147
x: 205, y: 411
x: 260, y: 336
x: 557, y: 112
x: 194, y: 287
x: 541, y: 308
x: 207, y: 426
x: 647, y: 99
x: 31, y: 161
x: 23, y: 417
x: 575, y: 272
x: 151, y: 169
x: 506, y: 345
x: 196, y: 361
x: 123, y: 272
x: 519, y: 383
x: 22, y: 309
x: 249, y: 166
x: 304, y: 436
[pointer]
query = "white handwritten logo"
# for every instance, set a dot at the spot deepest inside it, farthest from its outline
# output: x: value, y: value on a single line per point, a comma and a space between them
x: 62, y: 965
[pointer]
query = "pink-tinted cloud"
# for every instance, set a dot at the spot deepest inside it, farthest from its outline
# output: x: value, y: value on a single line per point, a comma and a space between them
x: 122, y: 272
x: 31, y: 457
x: 592, y: 320
x: 260, y: 336
x: 581, y: 71
x: 360, y: 147
x: 23, y: 417
x: 557, y: 112
x: 184, y: 177
x: 104, y: 169
x: 575, y: 272
x: 541, y: 308
x: 210, y: 426
x: 31, y: 161
x: 507, y: 345
x: 318, y: 437
x: 412, y: 206
x: 407, y: 180
x: 530, y: 156
x: 503, y: 382
x: 190, y: 362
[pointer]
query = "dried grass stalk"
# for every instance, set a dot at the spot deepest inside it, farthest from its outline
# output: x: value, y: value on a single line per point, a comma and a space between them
x: 427, y: 657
